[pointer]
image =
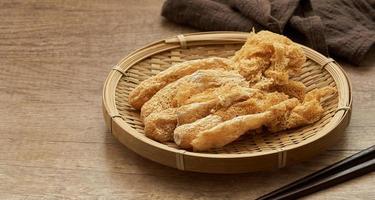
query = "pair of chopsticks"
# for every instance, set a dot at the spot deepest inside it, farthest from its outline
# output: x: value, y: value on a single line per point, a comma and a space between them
x: 353, y: 166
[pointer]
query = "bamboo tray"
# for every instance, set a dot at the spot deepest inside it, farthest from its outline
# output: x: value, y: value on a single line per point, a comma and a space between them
x: 250, y: 153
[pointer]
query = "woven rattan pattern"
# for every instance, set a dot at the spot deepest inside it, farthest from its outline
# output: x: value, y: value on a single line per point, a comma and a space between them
x: 313, y: 76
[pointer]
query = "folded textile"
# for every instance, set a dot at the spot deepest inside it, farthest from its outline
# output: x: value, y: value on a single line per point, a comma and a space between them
x: 342, y: 28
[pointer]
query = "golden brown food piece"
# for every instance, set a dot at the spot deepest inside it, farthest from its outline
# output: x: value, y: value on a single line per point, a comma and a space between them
x: 308, y: 112
x: 291, y: 88
x: 179, y: 92
x: 228, y: 131
x: 144, y: 91
x: 287, y: 114
x: 258, y: 102
x: 271, y: 55
x: 160, y: 125
x: 185, y: 134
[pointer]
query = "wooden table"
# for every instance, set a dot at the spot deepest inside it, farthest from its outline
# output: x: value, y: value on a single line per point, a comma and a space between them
x: 54, y: 57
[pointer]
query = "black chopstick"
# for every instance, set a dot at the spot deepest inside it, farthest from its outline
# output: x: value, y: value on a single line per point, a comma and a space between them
x: 340, y: 177
x: 312, y: 182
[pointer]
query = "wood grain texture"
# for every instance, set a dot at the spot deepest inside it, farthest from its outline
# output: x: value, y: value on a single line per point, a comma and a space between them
x: 54, y: 57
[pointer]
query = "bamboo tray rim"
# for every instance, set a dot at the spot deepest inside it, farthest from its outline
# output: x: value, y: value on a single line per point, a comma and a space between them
x: 206, y: 38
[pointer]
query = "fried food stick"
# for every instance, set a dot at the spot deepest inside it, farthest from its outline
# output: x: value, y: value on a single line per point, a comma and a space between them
x: 148, y: 88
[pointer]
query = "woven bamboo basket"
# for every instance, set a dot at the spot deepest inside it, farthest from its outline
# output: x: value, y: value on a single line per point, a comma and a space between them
x: 250, y: 153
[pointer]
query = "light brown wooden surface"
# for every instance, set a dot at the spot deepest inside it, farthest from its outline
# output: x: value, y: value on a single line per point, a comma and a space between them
x: 54, y: 57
